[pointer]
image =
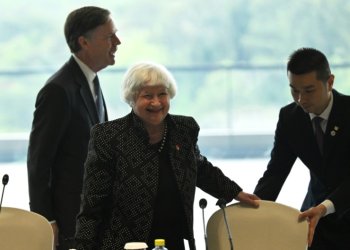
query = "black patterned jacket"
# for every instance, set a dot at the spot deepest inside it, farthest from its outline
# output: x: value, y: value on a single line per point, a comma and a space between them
x: 121, y: 179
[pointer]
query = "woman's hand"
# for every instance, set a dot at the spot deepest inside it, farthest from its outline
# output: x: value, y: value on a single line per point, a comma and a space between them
x: 249, y: 199
x: 55, y: 233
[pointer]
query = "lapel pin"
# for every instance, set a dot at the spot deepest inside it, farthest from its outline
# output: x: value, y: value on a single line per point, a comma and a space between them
x: 334, y: 131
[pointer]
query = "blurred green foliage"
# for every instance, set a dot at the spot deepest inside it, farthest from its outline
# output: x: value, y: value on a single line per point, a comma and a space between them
x: 227, y: 56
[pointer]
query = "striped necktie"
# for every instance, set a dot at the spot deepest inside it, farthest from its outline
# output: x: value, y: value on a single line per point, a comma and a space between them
x: 99, y: 100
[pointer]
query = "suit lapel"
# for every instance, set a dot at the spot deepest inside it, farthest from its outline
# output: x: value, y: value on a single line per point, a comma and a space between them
x: 308, y: 152
x: 177, y: 156
x: 181, y: 151
x: 306, y: 134
x: 86, y: 95
x: 85, y: 91
x: 334, y: 125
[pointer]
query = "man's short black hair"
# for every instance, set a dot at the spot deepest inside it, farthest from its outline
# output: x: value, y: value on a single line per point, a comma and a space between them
x: 307, y: 60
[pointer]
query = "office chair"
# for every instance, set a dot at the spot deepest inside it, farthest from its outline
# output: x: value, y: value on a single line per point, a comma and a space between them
x: 272, y: 226
x: 24, y: 230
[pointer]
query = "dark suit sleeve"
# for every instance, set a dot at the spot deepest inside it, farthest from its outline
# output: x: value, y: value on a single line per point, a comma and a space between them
x: 213, y: 181
x: 210, y: 178
x: 280, y: 164
x: 51, y: 117
x: 340, y: 199
x: 338, y: 157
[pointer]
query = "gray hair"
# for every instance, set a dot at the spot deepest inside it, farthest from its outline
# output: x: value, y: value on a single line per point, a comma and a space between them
x: 146, y: 73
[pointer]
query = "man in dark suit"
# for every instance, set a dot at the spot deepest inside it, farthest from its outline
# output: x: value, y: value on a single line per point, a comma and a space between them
x: 323, y: 147
x: 66, y: 108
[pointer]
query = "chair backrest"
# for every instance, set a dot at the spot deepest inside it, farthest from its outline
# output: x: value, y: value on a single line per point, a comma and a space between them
x: 272, y: 226
x: 24, y: 230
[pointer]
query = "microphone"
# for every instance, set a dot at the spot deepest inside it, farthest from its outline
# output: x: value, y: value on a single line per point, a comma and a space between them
x: 222, y: 204
x: 202, y: 205
x: 5, y: 180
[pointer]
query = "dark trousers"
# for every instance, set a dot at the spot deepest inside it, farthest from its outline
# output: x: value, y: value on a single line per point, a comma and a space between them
x: 332, y: 233
x: 66, y: 243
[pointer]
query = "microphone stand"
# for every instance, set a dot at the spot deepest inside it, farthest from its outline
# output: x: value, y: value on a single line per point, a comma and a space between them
x: 202, y: 205
x: 5, y: 180
x: 222, y: 204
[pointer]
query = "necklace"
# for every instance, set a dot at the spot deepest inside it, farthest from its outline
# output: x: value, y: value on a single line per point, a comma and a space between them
x: 164, y: 138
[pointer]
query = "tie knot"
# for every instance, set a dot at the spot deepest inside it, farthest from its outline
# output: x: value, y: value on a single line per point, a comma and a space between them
x: 96, y: 81
x: 317, y: 119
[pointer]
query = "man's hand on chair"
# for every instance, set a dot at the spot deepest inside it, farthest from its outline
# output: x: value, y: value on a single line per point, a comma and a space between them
x: 313, y: 215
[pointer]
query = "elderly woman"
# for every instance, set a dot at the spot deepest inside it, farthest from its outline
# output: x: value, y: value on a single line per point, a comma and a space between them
x: 142, y: 170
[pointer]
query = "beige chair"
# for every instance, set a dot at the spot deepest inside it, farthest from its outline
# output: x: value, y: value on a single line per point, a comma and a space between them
x: 24, y: 230
x: 272, y: 226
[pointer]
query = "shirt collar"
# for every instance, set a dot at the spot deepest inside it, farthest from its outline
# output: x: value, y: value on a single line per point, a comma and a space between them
x: 89, y: 74
x: 326, y: 112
